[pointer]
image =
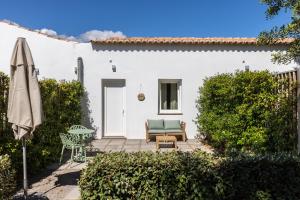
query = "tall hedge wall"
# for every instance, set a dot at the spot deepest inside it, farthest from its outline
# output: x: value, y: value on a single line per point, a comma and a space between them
x: 61, y: 106
x: 247, y: 111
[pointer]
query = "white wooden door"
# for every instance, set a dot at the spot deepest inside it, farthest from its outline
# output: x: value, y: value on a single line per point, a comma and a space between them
x: 114, y: 108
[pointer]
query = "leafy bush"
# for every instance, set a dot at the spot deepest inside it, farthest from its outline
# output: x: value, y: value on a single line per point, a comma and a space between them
x: 61, y: 106
x: 4, y: 80
x: 270, y: 176
x: 7, y: 178
x: 246, y: 111
x: 149, y: 176
x: 194, y: 175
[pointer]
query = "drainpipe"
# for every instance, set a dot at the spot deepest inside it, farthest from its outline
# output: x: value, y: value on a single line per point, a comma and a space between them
x: 80, y: 75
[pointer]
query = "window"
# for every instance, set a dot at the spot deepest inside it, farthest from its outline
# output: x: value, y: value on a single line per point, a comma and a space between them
x: 169, y: 96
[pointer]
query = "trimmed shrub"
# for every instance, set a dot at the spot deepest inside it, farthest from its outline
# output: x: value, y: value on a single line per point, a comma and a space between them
x: 62, y: 108
x: 196, y: 175
x: 246, y: 111
x: 149, y: 175
x: 7, y: 178
x: 270, y: 176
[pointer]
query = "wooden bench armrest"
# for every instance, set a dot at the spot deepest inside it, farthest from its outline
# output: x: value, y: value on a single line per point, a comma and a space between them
x: 183, y: 124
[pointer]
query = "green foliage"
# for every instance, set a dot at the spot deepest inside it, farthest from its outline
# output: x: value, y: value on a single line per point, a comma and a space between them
x: 290, y: 30
x: 61, y: 106
x: 273, y: 176
x: 147, y: 175
x: 246, y: 111
x: 196, y: 175
x: 7, y: 178
x: 4, y: 81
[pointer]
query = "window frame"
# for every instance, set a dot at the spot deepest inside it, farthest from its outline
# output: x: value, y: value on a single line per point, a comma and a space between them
x: 178, y: 111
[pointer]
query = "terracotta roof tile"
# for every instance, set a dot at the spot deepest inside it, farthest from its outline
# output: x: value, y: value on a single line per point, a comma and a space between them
x: 182, y: 40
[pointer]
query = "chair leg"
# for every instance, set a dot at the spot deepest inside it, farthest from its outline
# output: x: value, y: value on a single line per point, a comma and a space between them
x: 72, y: 154
x: 61, y: 155
x: 84, y: 154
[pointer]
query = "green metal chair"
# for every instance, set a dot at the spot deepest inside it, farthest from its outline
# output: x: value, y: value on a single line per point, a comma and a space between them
x: 72, y: 142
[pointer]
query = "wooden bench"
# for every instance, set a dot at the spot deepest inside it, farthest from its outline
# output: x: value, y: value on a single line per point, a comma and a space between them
x: 162, y: 127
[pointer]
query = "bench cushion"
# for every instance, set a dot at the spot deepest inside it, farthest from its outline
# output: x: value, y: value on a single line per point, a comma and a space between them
x: 156, y: 131
x: 172, y: 124
x: 156, y: 124
x: 173, y: 131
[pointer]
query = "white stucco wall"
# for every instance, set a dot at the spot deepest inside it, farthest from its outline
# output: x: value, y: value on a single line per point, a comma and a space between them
x: 141, y: 66
x: 144, y: 65
x: 54, y: 58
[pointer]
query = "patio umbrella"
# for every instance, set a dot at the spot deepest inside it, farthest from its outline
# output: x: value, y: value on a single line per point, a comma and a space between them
x: 24, y: 100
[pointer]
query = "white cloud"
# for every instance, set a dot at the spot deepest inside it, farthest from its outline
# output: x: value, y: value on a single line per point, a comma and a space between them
x: 10, y: 22
x: 48, y: 32
x: 84, y: 37
x: 87, y: 36
x: 99, y: 35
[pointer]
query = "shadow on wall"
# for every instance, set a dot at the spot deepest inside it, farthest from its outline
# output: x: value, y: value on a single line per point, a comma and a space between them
x: 185, y: 48
x: 86, y: 120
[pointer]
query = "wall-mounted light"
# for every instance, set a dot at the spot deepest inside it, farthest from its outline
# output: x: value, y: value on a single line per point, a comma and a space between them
x: 114, y: 68
x: 37, y: 71
x: 247, y: 67
x: 75, y: 70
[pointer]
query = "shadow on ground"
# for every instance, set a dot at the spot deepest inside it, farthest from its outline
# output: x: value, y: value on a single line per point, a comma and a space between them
x: 31, y: 197
x: 46, y: 183
x: 70, y: 178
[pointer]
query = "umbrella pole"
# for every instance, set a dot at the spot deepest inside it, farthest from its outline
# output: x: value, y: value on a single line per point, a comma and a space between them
x: 24, y: 168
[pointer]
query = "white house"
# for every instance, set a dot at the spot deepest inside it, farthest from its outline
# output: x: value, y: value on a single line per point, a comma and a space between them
x: 168, y: 71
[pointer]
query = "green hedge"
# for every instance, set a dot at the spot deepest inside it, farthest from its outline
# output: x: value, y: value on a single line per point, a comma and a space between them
x: 148, y: 176
x: 272, y: 176
x: 7, y: 178
x: 247, y: 111
x: 196, y: 175
x: 61, y: 106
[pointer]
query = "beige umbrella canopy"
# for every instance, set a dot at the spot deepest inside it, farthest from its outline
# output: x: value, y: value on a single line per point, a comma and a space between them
x: 24, y: 101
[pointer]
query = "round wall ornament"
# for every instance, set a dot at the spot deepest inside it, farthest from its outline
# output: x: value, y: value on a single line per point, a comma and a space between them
x: 141, y: 96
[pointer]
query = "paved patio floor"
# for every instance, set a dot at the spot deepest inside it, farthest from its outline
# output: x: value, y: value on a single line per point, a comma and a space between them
x: 134, y: 145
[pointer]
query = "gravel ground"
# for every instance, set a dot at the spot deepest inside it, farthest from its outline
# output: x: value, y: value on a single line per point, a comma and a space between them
x: 55, y: 182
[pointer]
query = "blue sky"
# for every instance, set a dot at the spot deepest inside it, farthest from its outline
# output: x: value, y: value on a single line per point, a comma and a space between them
x: 146, y: 18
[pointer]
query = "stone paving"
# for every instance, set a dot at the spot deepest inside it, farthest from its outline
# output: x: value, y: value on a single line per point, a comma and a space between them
x: 60, y: 182
x: 113, y: 145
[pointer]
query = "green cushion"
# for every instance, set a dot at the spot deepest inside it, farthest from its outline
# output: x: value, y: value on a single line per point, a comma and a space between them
x: 156, y: 124
x: 156, y: 131
x: 173, y: 131
x: 172, y: 124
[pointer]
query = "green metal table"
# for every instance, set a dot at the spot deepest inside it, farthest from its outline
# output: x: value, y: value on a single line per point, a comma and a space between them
x: 84, y: 134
